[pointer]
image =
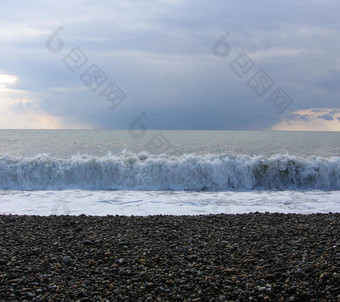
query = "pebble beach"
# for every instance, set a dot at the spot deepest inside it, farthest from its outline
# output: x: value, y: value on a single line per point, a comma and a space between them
x: 246, y: 257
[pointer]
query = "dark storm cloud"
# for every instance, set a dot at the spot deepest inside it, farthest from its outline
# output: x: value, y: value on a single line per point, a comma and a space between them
x: 160, y: 54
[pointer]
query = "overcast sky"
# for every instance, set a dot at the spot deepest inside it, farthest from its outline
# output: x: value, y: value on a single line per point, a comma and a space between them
x: 175, y: 64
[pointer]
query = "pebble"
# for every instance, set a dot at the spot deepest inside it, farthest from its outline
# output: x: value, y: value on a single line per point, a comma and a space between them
x: 248, y: 257
x: 260, y: 268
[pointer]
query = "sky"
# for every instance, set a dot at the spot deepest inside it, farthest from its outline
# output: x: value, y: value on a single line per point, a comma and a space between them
x: 200, y: 65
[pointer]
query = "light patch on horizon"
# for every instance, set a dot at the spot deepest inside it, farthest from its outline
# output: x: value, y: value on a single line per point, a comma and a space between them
x: 19, y: 112
x: 27, y: 114
x: 30, y: 120
x: 314, y: 119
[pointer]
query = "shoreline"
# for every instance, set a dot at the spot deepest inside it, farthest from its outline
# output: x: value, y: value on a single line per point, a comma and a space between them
x: 224, y: 257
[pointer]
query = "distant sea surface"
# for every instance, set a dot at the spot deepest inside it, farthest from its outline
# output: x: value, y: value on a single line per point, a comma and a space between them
x: 146, y: 172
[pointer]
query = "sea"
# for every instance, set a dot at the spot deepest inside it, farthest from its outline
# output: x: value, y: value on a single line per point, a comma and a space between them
x: 150, y: 172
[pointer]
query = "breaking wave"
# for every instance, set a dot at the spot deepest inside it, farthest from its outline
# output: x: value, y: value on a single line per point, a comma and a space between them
x: 143, y: 171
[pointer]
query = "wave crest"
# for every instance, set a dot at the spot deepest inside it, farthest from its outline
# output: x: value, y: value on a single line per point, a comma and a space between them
x: 143, y: 171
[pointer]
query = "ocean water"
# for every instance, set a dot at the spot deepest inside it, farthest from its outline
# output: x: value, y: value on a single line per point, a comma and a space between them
x: 144, y: 172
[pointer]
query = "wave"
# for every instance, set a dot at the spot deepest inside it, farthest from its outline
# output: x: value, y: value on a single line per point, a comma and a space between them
x: 143, y: 171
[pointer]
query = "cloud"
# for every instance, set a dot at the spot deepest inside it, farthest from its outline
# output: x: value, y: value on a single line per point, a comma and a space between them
x: 27, y: 114
x: 160, y: 54
x: 278, y: 53
x: 21, y: 109
x: 15, y: 32
x: 67, y: 89
x: 326, y: 117
x: 311, y: 120
x: 6, y: 80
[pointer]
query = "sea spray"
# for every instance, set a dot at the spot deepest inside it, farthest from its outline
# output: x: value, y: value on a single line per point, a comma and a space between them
x: 128, y: 171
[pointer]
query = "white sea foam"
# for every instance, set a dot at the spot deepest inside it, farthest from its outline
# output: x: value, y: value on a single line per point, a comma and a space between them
x: 141, y: 203
x: 142, y: 171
